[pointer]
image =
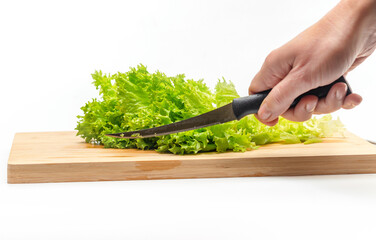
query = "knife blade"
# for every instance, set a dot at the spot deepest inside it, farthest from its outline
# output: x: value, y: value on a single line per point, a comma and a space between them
x: 237, y: 109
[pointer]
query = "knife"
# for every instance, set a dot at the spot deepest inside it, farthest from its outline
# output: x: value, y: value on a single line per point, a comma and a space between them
x: 239, y: 108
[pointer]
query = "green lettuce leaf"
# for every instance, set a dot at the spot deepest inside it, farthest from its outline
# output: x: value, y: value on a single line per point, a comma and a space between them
x: 138, y: 99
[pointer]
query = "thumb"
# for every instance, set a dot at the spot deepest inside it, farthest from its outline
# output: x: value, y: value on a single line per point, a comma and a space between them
x: 282, y: 95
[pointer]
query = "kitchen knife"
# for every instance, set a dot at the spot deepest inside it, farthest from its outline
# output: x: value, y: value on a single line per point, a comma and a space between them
x: 239, y: 108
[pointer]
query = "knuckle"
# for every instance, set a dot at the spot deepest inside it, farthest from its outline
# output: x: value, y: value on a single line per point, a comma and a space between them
x: 307, y: 81
x: 270, y: 82
x: 271, y: 57
x: 277, y: 97
x: 301, y: 114
x: 277, y: 102
x: 303, y: 77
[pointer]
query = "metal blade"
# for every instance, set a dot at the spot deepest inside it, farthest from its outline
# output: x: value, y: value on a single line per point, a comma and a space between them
x: 217, y: 116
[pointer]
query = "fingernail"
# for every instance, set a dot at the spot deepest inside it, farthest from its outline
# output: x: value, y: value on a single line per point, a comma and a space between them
x: 350, y: 105
x: 339, y: 95
x: 310, y: 107
x: 265, y: 114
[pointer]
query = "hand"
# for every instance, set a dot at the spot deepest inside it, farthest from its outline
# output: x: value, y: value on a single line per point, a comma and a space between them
x: 332, y: 47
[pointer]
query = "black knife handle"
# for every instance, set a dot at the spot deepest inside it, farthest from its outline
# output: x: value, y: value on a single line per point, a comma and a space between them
x: 244, y: 106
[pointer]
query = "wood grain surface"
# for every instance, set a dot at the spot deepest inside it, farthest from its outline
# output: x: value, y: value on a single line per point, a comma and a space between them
x: 38, y: 157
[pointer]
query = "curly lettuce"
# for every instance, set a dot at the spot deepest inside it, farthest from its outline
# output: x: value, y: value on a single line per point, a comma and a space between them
x: 138, y: 99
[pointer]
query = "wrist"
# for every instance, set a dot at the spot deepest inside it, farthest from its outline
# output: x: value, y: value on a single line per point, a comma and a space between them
x: 359, y: 18
x: 363, y: 11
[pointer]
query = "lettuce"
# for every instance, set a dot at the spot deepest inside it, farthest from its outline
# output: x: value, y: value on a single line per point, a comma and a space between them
x: 138, y: 99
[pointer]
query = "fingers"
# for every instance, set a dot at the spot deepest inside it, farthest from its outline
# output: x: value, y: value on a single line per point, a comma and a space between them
x: 352, y: 101
x: 303, y: 110
x: 282, y: 95
x: 333, y: 101
x: 309, y: 105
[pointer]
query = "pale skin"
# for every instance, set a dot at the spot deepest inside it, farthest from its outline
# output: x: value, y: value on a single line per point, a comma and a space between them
x: 332, y: 47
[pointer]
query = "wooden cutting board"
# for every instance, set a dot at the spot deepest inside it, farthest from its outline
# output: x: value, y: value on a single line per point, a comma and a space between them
x: 63, y: 157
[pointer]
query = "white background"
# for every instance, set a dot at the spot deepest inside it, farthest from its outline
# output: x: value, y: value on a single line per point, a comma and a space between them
x: 48, y: 49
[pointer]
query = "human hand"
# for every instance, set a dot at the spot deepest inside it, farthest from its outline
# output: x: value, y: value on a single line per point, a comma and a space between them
x: 332, y: 47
